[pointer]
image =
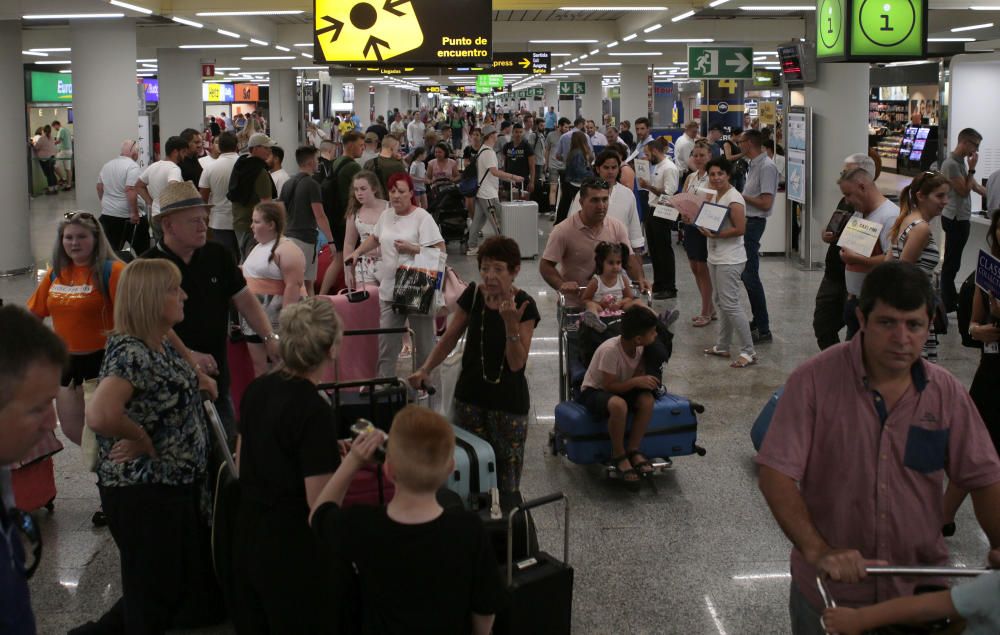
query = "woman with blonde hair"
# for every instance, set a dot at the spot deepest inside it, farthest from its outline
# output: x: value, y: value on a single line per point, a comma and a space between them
x: 274, y: 270
x: 152, y: 452
x: 287, y: 450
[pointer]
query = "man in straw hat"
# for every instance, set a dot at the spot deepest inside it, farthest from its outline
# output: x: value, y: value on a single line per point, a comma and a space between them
x: 211, y: 280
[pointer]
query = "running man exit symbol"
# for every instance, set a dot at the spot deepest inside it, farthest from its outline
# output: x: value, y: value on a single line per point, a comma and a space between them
x: 377, y: 30
x: 708, y: 62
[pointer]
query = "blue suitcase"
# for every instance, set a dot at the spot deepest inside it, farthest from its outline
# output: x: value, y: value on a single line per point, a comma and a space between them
x: 763, y: 422
x: 475, y: 470
x: 673, y: 431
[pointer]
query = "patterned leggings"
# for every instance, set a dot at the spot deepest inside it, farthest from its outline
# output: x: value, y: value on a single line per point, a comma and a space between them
x: 502, y: 430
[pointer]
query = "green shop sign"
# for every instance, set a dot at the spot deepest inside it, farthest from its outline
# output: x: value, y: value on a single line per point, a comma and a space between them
x: 871, y: 30
x: 51, y: 87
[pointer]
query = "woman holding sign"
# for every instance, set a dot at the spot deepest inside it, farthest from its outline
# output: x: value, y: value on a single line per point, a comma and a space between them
x: 724, y: 223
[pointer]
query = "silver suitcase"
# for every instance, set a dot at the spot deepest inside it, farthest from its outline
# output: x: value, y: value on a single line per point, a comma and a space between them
x: 519, y: 220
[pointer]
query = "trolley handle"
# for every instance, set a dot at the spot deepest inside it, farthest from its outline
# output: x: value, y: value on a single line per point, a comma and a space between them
x: 913, y: 571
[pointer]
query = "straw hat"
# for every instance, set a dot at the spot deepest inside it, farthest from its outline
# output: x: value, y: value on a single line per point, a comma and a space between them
x: 177, y: 197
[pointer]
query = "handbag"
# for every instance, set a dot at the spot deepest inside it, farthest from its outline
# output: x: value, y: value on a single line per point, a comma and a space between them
x: 417, y: 282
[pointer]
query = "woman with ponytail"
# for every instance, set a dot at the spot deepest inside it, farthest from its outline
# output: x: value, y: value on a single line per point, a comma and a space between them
x: 912, y: 240
x: 274, y: 271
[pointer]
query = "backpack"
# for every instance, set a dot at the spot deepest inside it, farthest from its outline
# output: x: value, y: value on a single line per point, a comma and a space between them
x: 965, y: 296
x: 329, y: 188
x: 469, y: 184
x: 106, y: 279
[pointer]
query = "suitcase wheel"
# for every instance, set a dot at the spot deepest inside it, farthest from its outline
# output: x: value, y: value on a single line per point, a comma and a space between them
x: 700, y: 451
x: 661, y: 465
x: 51, y: 505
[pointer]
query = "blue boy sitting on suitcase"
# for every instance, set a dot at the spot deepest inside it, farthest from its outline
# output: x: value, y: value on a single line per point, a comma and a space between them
x: 617, y: 384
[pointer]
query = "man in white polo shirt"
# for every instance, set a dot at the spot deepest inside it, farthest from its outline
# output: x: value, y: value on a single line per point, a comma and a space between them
x: 213, y: 185
x: 152, y: 181
x: 120, y: 216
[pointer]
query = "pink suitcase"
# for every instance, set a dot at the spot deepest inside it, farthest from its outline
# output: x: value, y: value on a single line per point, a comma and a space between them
x: 35, y: 485
x: 358, y: 356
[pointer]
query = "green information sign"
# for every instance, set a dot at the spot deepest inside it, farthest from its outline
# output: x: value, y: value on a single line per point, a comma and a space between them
x: 871, y: 30
x: 720, y: 62
x: 51, y: 87
x: 488, y: 82
x: 572, y: 88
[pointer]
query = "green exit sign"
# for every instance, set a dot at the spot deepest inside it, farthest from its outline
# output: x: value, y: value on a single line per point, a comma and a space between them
x: 489, y: 81
x: 720, y: 62
x: 572, y: 88
x: 871, y: 30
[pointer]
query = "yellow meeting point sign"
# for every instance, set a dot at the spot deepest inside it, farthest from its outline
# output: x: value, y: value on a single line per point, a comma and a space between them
x: 366, y: 31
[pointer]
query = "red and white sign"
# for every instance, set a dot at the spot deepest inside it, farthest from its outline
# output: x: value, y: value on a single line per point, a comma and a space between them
x: 208, y: 70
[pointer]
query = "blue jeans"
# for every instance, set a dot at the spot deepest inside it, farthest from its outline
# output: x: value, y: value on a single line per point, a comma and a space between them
x: 751, y: 275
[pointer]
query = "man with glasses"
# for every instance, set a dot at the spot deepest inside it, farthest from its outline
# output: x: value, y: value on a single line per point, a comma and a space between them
x: 568, y: 260
x: 955, y: 219
x: 32, y: 358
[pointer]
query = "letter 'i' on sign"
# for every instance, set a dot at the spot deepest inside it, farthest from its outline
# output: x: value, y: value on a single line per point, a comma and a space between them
x: 871, y: 30
x: 375, y: 31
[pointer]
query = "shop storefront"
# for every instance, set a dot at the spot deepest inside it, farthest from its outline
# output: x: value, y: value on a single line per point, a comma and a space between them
x: 49, y: 98
x: 904, y: 112
x: 231, y: 100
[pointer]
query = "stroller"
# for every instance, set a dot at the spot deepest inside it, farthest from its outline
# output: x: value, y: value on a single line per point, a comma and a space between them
x: 447, y: 206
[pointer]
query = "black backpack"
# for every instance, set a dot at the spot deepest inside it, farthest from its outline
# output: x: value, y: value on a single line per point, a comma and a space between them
x: 965, y: 296
x: 469, y: 184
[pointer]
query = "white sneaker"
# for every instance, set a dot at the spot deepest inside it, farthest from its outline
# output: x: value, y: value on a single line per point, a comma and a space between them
x: 474, y: 251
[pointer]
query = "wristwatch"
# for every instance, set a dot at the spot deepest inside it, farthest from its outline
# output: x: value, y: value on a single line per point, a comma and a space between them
x: 514, y: 338
x: 271, y: 336
x: 971, y: 172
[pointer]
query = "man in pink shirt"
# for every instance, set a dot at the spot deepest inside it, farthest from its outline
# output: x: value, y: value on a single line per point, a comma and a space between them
x: 571, y: 243
x: 854, y: 461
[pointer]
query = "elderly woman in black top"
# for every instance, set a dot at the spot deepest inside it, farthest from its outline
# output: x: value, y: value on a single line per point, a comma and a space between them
x: 491, y: 397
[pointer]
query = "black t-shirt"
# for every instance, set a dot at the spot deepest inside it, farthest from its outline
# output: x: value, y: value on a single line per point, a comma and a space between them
x: 427, y: 578
x: 516, y: 159
x: 191, y: 169
x: 210, y: 281
x: 324, y: 169
x: 298, y: 195
x: 287, y: 433
x: 511, y: 394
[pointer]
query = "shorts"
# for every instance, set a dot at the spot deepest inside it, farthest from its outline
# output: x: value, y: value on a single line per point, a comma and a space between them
x: 82, y: 367
x: 695, y: 244
x: 309, y: 251
x: 554, y: 175
x: 596, y: 400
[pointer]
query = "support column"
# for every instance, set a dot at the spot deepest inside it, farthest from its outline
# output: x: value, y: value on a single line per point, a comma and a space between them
x: 285, y: 114
x: 362, y: 101
x: 635, y: 93
x: 552, y: 97
x: 382, y: 101
x: 590, y: 105
x: 181, y: 103
x: 15, y: 239
x: 105, y: 98
x: 336, y: 91
x: 839, y: 95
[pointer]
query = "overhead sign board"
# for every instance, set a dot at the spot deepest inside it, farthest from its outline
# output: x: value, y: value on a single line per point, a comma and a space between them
x: 720, y: 62
x: 871, y: 30
x: 51, y: 87
x: 535, y: 63
x: 488, y: 82
x: 151, y: 89
x: 217, y: 93
x: 403, y: 32
x: 246, y: 92
x: 572, y: 88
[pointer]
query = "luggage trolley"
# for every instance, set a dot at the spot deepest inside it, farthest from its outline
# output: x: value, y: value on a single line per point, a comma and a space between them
x: 584, y: 440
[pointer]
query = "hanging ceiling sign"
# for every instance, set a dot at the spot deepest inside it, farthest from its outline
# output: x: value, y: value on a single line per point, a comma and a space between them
x: 535, y: 63
x: 871, y: 30
x: 403, y: 32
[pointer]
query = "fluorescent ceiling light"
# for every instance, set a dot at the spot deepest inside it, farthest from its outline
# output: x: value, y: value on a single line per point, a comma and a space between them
x: 35, y: 53
x: 640, y: 54
x: 227, y: 68
x: 794, y: 7
x: 574, y: 60
x: 259, y: 42
x: 71, y: 16
x: 228, y: 33
x: 951, y: 39
x: 680, y: 63
x: 630, y: 37
x: 53, y: 62
x: 306, y: 55
x: 600, y: 64
x: 52, y: 50
x: 303, y: 44
x: 972, y: 27
x: 268, y: 57
x: 213, y: 46
x: 66, y: 71
x: 595, y: 51
x: 760, y: 58
x: 981, y: 7
x: 131, y: 7
x: 612, y: 45
x: 612, y: 8
x: 679, y: 40
x: 683, y: 16
x: 206, y: 14
x: 715, y: 3
x: 282, y: 48
x: 150, y: 66
x: 584, y: 56
x: 196, y: 25
x: 912, y: 63
x: 650, y: 29
x: 151, y: 59
x: 562, y: 41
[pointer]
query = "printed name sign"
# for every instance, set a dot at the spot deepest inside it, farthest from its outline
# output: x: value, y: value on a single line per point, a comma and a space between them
x: 988, y: 273
x: 860, y: 236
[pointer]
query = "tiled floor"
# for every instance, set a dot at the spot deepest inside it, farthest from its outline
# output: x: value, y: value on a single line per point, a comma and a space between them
x: 699, y: 554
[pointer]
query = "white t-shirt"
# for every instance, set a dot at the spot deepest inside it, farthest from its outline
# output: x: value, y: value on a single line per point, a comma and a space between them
x: 116, y: 175
x: 490, y: 187
x: 280, y: 177
x: 206, y: 161
x: 415, y: 133
x: 416, y: 227
x: 885, y: 214
x: 621, y: 205
x: 215, y: 178
x: 156, y: 178
x: 418, y: 170
x: 682, y: 151
x: 728, y: 251
x: 665, y: 178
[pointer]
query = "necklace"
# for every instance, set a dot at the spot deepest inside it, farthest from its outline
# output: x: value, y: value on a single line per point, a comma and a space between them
x: 482, y: 353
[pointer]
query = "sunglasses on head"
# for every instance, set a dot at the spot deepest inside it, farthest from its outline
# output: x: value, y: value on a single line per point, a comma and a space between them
x: 83, y: 215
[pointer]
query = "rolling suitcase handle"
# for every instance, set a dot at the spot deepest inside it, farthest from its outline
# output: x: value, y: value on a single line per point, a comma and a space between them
x: 524, y: 507
x: 219, y: 432
x: 941, y: 572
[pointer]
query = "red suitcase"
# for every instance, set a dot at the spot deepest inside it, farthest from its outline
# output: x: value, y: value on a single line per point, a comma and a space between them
x: 358, y: 355
x: 240, y: 371
x: 364, y: 489
x: 34, y: 485
x: 323, y: 260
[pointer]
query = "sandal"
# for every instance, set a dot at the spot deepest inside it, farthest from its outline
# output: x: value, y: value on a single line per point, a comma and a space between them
x: 743, y: 361
x: 629, y: 477
x: 716, y: 352
x: 644, y: 467
x: 701, y: 320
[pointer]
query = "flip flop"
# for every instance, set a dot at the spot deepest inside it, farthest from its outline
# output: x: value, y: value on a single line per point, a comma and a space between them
x: 701, y: 320
x: 743, y: 361
x: 716, y: 352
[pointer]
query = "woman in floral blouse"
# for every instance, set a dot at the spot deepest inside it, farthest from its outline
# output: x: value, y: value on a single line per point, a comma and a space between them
x: 152, y: 444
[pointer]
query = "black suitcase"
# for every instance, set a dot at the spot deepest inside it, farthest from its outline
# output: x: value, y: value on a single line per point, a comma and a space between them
x: 379, y: 403
x: 539, y: 590
x: 524, y: 535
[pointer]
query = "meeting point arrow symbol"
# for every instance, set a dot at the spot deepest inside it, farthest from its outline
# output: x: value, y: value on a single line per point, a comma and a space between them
x: 525, y: 63
x: 335, y: 25
x: 739, y: 63
x: 390, y: 6
x: 373, y: 43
